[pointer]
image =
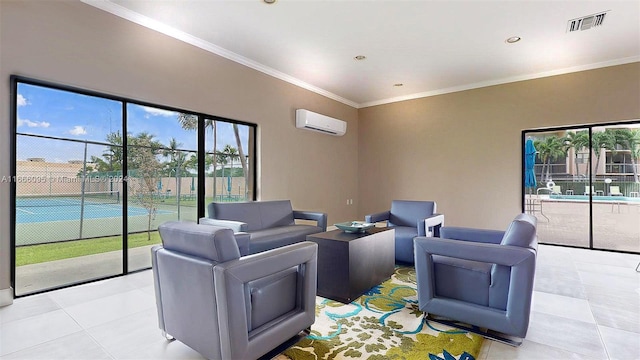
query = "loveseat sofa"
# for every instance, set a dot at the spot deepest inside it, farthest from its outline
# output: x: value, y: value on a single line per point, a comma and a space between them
x: 270, y: 224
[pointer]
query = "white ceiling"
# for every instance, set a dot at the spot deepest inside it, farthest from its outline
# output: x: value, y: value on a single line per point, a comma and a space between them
x: 432, y: 47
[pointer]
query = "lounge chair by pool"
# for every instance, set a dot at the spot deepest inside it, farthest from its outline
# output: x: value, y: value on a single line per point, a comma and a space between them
x: 615, y: 191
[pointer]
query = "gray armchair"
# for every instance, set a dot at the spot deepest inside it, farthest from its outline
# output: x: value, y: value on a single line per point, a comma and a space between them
x: 480, y: 277
x: 409, y: 219
x: 229, y: 307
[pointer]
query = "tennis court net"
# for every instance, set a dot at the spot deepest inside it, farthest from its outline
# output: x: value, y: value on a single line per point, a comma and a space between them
x: 75, y: 199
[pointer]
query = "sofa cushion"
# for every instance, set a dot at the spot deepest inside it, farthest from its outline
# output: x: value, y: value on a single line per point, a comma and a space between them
x: 276, y: 213
x: 267, y: 239
x: 521, y: 231
x: 205, y: 241
x: 244, y: 212
x: 257, y: 215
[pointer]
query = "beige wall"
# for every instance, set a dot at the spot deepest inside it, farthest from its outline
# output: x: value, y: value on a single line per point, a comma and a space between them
x: 463, y: 149
x: 460, y: 149
x: 75, y: 44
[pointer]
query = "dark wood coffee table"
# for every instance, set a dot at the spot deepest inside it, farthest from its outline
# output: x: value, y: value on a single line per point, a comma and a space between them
x: 351, y: 264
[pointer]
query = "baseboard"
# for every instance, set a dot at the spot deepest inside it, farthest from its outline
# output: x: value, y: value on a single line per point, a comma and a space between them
x: 6, y: 297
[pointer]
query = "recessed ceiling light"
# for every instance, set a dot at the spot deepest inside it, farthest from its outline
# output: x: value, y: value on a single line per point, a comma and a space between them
x: 360, y: 57
x: 513, y: 39
x: 269, y: 1
x: 398, y: 84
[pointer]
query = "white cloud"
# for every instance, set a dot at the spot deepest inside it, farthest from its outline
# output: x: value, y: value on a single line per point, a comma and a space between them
x: 158, y: 112
x: 22, y: 101
x: 78, y: 130
x: 30, y: 123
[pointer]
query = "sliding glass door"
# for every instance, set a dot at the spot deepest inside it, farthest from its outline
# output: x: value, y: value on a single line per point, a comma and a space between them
x: 616, y: 201
x: 587, y: 186
x: 562, y: 175
x: 95, y: 175
x: 68, y: 214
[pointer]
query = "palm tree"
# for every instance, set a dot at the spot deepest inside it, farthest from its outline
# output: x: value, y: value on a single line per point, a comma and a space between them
x: 175, y: 164
x: 629, y: 139
x: 231, y: 154
x: 243, y: 159
x: 222, y: 159
x: 190, y: 122
x: 578, y: 141
x: 602, y: 140
x: 550, y: 149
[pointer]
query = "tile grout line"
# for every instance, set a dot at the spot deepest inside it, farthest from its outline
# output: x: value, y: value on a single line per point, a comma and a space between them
x: 602, y: 342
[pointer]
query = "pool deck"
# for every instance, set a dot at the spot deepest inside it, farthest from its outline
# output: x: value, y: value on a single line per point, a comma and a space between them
x: 616, y: 222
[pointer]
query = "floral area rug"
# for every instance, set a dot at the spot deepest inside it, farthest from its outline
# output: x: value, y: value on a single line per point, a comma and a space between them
x: 384, y: 323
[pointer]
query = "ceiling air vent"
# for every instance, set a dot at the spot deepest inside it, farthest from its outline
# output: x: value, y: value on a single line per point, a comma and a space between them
x: 586, y: 22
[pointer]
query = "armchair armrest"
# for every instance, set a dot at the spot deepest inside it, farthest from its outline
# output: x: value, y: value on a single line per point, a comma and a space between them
x: 236, y: 226
x: 435, y: 221
x: 242, y: 239
x: 470, y: 234
x: 377, y: 217
x: 319, y: 217
x: 235, y: 305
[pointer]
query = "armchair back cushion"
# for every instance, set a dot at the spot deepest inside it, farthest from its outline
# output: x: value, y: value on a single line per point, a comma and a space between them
x: 258, y: 215
x: 209, y: 242
x: 521, y: 232
x: 407, y: 212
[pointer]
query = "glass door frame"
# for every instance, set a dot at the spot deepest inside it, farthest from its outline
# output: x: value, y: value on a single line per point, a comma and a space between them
x: 201, y: 175
x: 589, y: 128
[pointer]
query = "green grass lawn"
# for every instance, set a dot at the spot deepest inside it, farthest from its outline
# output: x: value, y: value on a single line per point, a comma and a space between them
x: 34, y: 254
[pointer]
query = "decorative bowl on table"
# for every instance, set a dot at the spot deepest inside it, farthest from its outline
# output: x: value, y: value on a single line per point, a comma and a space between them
x: 354, y: 226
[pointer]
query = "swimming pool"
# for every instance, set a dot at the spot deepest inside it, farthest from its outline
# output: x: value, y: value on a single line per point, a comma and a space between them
x: 595, y: 198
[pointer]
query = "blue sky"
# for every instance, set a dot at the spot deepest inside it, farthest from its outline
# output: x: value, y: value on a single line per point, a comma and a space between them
x: 56, y: 113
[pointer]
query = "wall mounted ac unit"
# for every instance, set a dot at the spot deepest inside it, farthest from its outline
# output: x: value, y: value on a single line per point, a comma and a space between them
x: 309, y: 120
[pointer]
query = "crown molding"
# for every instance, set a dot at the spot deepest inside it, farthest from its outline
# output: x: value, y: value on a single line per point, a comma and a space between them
x: 502, y: 81
x: 147, y: 22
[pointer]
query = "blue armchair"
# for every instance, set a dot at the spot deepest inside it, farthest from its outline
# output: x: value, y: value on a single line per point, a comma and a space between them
x: 409, y: 219
x: 480, y: 277
x: 228, y: 306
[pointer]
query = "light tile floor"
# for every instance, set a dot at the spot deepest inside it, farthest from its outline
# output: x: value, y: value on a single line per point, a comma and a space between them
x: 586, y: 305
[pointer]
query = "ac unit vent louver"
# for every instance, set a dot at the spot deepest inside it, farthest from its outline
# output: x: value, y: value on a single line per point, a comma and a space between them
x: 586, y: 22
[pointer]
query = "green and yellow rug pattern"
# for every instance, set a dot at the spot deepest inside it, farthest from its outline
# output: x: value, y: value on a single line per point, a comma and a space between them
x: 384, y: 323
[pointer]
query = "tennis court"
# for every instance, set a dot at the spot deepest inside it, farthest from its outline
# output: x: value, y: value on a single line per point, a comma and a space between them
x: 46, y: 218
x: 68, y: 207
